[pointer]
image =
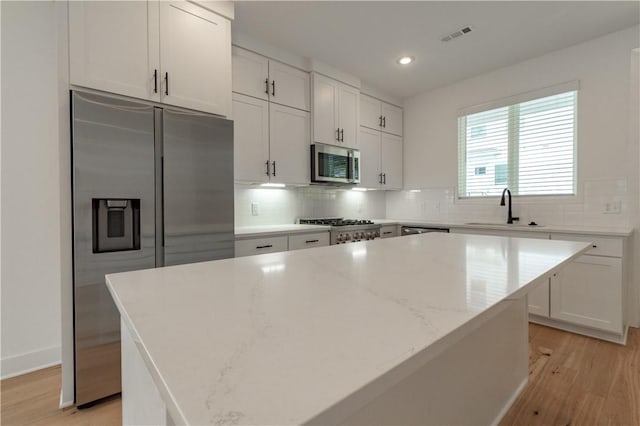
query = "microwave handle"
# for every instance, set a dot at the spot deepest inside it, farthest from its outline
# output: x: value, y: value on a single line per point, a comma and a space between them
x: 350, y: 166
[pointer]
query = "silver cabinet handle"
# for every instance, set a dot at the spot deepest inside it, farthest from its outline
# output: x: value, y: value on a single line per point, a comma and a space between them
x: 387, y: 232
x: 273, y: 87
x: 266, y: 88
x: 341, y: 135
x: 273, y: 163
x: 338, y: 134
x: 166, y: 84
x: 384, y: 178
x: 267, y: 164
x: 263, y: 247
x: 311, y: 241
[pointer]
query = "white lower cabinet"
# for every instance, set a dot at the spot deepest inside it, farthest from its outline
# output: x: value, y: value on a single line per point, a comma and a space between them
x: 261, y: 246
x: 389, y: 231
x: 252, y: 246
x: 538, y: 298
x: 303, y: 241
x: 588, y: 292
x: 587, y: 296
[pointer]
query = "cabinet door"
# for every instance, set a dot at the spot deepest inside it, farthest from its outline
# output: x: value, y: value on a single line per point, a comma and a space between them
x: 289, y: 86
x: 289, y: 144
x: 391, y: 119
x: 391, y: 161
x: 250, y: 139
x: 113, y: 46
x: 370, y: 174
x: 538, y: 299
x: 250, y: 73
x: 325, y: 103
x: 370, y: 115
x: 588, y: 292
x: 195, y: 52
x: 349, y: 111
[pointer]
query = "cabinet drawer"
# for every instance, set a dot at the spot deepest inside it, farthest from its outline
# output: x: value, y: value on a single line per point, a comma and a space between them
x: 319, y: 239
x: 602, y: 246
x: 389, y: 231
x: 260, y: 246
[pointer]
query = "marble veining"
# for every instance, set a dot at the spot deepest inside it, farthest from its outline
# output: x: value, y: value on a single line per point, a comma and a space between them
x: 281, y: 338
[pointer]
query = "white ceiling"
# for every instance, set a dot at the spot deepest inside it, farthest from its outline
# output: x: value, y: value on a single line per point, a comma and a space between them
x: 365, y: 38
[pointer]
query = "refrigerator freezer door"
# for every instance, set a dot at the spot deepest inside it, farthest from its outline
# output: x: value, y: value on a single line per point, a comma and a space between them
x: 198, y: 188
x: 113, y: 159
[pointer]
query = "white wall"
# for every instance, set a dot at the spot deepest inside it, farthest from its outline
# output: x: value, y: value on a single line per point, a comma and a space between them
x: 32, y: 191
x: 284, y: 206
x: 606, y: 170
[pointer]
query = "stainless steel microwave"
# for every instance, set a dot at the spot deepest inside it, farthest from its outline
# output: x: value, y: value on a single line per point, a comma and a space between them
x: 334, y: 164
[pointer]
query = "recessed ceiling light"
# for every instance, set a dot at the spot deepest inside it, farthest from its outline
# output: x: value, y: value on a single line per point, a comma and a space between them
x: 405, y: 60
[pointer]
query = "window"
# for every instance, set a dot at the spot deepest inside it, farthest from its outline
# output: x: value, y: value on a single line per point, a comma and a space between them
x: 528, y: 146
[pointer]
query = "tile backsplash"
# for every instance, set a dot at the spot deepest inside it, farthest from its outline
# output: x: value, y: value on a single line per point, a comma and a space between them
x: 285, y: 205
x: 601, y: 203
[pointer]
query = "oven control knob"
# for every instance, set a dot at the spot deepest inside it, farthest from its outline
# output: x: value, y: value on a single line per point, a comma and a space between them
x: 339, y: 238
x: 356, y: 236
x: 377, y: 234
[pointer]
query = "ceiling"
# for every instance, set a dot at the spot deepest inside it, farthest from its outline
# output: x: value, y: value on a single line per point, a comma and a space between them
x: 366, y: 38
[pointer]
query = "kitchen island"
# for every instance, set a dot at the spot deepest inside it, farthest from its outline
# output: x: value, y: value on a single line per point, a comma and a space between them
x: 426, y: 329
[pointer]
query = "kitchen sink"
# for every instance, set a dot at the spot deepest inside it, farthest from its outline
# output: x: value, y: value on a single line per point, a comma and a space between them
x: 506, y: 225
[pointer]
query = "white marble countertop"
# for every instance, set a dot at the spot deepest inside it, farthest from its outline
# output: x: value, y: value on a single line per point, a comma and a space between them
x: 281, y: 338
x: 276, y: 230
x: 564, y: 229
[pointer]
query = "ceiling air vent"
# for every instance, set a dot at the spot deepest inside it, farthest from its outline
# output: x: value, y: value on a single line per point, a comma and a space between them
x: 462, y: 31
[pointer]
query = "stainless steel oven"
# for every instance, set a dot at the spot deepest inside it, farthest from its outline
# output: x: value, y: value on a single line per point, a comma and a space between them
x: 334, y: 164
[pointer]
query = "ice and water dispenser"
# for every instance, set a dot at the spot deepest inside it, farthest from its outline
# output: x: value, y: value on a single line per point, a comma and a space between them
x: 116, y: 224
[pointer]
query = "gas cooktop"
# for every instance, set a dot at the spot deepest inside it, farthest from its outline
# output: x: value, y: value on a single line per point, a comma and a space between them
x: 335, y: 221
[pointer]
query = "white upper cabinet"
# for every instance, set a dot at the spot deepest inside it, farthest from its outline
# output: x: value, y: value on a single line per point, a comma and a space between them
x: 381, y: 159
x: 348, y: 110
x: 172, y: 52
x: 195, y: 52
x: 380, y: 115
x: 250, y: 139
x: 391, y: 161
x: 289, y: 152
x: 370, y: 112
x: 289, y: 86
x: 250, y: 73
x: 260, y: 77
x: 336, y: 109
x: 391, y: 119
x: 111, y: 47
x: 325, y: 110
x: 271, y: 142
x: 369, y: 144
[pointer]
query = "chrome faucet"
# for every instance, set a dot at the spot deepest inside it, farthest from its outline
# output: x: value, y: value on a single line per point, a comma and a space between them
x: 510, y: 217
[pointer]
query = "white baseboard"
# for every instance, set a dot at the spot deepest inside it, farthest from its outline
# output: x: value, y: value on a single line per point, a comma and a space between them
x: 31, y: 361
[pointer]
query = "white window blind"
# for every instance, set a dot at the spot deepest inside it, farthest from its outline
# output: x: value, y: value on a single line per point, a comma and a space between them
x: 528, y: 147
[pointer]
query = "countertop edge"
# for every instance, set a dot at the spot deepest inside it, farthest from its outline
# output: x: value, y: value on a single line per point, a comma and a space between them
x: 611, y: 232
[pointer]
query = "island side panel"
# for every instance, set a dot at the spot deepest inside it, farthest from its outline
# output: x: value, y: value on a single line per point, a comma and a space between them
x: 473, y: 382
x: 141, y: 401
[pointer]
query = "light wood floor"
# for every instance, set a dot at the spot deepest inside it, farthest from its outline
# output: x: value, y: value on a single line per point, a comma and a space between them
x: 574, y: 380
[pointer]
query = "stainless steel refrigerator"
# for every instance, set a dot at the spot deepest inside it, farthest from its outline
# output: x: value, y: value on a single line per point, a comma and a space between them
x: 151, y: 187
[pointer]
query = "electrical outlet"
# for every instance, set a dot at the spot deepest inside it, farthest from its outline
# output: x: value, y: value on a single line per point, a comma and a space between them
x: 254, y: 209
x: 614, y: 207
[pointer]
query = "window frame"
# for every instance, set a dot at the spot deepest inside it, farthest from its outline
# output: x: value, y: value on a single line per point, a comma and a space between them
x: 513, y: 147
